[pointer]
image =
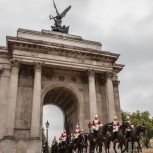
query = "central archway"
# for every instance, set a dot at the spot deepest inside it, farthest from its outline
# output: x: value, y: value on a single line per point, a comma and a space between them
x: 67, y: 101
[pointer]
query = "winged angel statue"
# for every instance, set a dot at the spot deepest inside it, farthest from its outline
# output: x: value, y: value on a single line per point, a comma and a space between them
x: 58, y: 20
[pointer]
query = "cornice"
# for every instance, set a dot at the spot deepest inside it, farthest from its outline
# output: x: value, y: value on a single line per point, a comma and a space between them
x: 118, y: 67
x: 52, y: 34
x: 59, y: 49
x: 4, y: 53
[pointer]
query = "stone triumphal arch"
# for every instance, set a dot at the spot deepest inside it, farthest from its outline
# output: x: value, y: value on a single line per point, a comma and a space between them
x: 39, y: 68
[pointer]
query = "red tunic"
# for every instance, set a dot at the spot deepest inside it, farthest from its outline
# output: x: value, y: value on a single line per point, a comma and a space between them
x: 64, y: 135
x: 118, y: 123
x: 76, y: 131
x: 96, y: 122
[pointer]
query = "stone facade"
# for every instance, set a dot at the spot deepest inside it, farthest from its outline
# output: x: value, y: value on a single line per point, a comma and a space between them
x: 40, y: 68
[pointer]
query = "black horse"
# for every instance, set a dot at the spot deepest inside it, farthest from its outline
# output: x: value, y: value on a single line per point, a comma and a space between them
x: 135, y: 136
x: 92, y: 140
x: 82, y: 142
x: 55, y: 147
x: 69, y: 144
x: 104, y: 136
x: 121, y: 137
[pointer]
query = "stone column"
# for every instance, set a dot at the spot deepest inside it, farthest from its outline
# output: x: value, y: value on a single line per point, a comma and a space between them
x: 104, y: 108
x: 117, y: 99
x: 35, y: 120
x: 92, y: 94
x: 12, y: 98
x: 110, y: 95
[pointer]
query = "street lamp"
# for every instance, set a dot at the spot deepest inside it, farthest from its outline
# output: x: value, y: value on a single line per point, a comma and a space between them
x: 47, y: 126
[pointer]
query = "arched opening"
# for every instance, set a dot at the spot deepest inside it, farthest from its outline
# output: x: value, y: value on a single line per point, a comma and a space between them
x: 55, y: 117
x: 67, y: 101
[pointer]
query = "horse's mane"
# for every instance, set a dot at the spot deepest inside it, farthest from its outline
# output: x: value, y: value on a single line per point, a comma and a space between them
x: 104, y: 128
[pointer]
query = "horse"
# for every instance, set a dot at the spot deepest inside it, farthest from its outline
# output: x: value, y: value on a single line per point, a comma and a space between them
x: 82, y: 142
x: 55, y: 147
x: 135, y: 136
x: 92, y: 140
x: 121, y: 137
x: 104, y: 135
x: 69, y: 144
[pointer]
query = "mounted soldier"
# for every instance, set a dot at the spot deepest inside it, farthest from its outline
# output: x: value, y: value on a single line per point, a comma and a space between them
x: 130, y: 123
x: 54, y: 145
x: 116, y: 125
x: 77, y: 132
x: 64, y: 135
x: 82, y: 131
x: 60, y: 139
x: 54, y: 141
x: 96, y: 124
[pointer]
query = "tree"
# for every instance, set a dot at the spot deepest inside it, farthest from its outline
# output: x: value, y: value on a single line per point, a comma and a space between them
x: 43, y: 138
x: 139, y: 118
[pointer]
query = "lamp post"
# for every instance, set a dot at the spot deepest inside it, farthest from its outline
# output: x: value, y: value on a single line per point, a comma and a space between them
x: 47, y: 126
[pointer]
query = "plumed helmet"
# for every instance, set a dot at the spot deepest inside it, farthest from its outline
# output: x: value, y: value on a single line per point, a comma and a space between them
x: 77, y: 126
x: 115, y: 117
x: 128, y: 117
x: 96, y: 116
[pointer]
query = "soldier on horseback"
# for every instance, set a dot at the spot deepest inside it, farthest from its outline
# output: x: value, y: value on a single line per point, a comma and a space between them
x: 116, y: 125
x: 64, y: 135
x: 54, y: 141
x: 130, y: 123
x: 77, y: 132
x: 96, y: 124
x: 60, y: 139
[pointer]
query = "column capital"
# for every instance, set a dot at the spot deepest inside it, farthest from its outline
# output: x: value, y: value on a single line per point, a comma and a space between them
x: 109, y: 75
x: 15, y: 63
x: 37, y: 66
x: 91, y: 72
x: 116, y: 83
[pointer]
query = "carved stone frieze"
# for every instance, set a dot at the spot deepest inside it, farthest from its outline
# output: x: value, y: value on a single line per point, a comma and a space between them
x: 47, y: 73
x: 67, y: 52
x: 84, y: 77
x: 26, y: 71
x: 4, y: 55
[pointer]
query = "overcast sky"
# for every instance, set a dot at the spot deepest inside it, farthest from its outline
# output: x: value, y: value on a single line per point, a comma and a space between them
x: 122, y: 26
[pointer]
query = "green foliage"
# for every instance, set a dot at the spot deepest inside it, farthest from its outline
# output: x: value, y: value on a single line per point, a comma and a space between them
x: 139, y: 118
x: 43, y: 138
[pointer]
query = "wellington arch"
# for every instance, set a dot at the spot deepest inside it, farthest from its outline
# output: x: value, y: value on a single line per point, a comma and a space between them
x: 44, y: 67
